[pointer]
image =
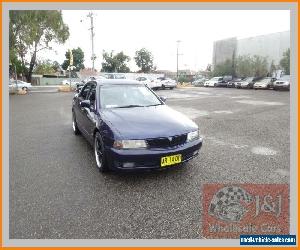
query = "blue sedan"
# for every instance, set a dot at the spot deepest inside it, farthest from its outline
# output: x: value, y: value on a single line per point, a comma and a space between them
x: 131, y: 128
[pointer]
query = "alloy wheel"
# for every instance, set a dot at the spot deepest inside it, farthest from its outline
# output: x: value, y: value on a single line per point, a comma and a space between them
x: 98, y: 153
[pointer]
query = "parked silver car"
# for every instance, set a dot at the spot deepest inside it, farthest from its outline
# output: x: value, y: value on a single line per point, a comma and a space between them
x: 265, y: 83
x: 282, y: 83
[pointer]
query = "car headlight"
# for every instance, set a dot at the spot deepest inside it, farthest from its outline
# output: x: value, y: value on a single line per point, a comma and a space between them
x: 130, y: 144
x: 192, y: 136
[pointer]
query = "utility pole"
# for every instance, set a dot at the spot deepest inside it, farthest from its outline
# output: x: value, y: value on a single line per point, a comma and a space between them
x: 70, y: 67
x: 16, y: 77
x: 177, y: 55
x: 91, y: 16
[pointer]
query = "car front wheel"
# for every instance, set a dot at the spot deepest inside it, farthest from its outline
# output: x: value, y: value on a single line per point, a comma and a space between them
x: 74, y: 125
x: 99, y: 153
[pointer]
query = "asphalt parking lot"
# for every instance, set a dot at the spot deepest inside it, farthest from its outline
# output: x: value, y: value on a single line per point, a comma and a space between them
x: 56, y: 190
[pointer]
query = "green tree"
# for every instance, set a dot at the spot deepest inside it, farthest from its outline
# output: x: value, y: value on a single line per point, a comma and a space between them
x: 273, y: 68
x: 244, y: 66
x: 115, y: 63
x: 31, y: 31
x: 223, y: 69
x: 44, y: 67
x: 78, y: 59
x: 251, y: 66
x: 144, y: 60
x: 260, y: 66
x: 285, y: 62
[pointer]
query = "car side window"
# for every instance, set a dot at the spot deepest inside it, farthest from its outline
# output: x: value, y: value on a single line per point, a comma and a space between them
x: 92, y: 94
x: 85, y: 91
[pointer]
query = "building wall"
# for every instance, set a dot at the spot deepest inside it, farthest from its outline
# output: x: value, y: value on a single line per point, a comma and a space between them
x: 223, y: 50
x: 271, y: 46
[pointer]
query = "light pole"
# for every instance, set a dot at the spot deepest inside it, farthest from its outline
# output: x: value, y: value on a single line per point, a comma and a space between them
x: 91, y: 16
x: 177, y: 55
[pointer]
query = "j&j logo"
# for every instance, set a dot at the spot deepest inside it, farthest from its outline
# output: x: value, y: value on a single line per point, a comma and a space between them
x: 228, y: 203
x: 235, y: 209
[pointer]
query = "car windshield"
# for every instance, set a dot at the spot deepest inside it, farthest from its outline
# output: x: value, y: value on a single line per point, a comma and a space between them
x: 286, y: 77
x: 127, y: 96
x: 216, y: 79
x: 249, y: 79
x: 265, y: 80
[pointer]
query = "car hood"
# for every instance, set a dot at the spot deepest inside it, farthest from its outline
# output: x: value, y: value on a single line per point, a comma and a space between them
x: 244, y: 83
x: 147, y: 122
x: 281, y: 82
x: 260, y: 83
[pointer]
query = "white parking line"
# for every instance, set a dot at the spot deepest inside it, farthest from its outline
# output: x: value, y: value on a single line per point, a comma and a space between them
x: 240, y: 97
x: 253, y: 102
x: 190, y: 112
x: 223, y: 143
x: 223, y: 112
x: 263, y: 151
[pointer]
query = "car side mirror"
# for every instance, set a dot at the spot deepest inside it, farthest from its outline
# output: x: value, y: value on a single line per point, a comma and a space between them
x: 163, y: 98
x: 85, y: 104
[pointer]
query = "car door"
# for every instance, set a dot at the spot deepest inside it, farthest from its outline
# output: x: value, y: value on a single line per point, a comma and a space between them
x: 89, y: 115
x: 78, y: 110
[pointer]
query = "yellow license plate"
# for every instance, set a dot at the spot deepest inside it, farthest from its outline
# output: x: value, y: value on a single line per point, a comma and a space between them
x: 170, y: 160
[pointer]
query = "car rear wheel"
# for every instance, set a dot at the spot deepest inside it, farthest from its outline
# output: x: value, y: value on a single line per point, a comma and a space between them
x: 74, y: 125
x: 171, y: 88
x: 99, y: 153
x: 163, y: 86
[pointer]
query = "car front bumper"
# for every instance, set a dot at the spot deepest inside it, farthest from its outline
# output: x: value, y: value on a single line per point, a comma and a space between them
x: 244, y: 86
x: 260, y: 87
x: 149, y: 159
x: 281, y: 86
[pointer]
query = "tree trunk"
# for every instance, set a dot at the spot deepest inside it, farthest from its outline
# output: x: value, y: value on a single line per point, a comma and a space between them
x: 31, y: 65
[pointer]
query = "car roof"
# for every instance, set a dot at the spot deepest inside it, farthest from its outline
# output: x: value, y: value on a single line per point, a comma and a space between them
x: 117, y: 82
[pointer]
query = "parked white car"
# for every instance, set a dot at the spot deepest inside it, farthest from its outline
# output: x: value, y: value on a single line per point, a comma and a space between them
x: 151, y: 83
x: 13, y: 85
x: 214, y: 82
x: 167, y: 83
x: 114, y: 76
x: 73, y: 83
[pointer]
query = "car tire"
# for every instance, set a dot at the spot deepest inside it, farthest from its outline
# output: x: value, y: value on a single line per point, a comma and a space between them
x: 25, y: 88
x: 163, y: 86
x: 171, y: 88
x: 215, y: 85
x: 99, y: 153
x: 74, y: 125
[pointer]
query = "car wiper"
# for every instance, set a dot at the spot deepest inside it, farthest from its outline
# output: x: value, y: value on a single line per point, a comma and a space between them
x: 153, y: 105
x: 130, y: 106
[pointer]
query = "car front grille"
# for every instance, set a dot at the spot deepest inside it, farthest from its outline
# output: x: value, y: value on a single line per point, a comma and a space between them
x: 167, y: 142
